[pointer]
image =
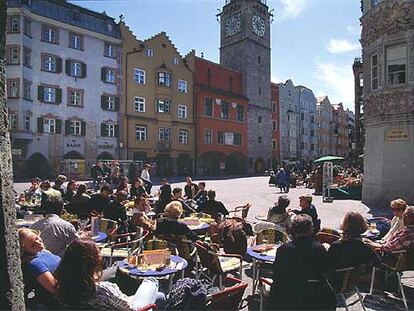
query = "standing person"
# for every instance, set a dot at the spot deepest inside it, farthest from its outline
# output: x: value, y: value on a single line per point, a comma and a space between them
x: 56, y: 233
x: 190, y: 189
x: 299, y: 261
x: 82, y: 288
x: 146, y: 177
x: 281, y: 180
x: 305, y: 203
x: 288, y: 178
x: 80, y: 202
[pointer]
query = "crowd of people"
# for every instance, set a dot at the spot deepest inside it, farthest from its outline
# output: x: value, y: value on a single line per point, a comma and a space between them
x: 64, y: 268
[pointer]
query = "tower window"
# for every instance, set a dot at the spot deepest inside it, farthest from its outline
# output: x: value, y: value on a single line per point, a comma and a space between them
x: 260, y: 91
x: 258, y: 59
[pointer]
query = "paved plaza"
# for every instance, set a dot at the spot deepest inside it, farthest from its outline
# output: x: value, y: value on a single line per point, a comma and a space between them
x: 256, y: 191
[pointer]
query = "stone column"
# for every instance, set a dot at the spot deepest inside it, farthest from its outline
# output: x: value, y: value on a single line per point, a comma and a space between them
x: 11, y: 279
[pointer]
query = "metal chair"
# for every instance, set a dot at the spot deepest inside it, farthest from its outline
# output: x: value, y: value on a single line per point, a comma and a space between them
x: 180, y: 245
x: 264, y: 286
x: 404, y: 262
x: 230, y: 297
x: 244, y: 210
x: 271, y: 236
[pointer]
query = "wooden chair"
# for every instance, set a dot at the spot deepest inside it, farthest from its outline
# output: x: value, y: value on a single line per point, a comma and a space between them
x: 404, y: 262
x: 244, y: 210
x: 230, y: 297
x: 271, y: 236
x: 214, y: 265
x: 180, y: 245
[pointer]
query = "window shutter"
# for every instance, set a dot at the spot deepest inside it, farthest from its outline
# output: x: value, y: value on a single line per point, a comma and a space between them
x: 83, y: 128
x: 67, y: 127
x: 116, y: 130
x: 41, y: 93
x: 83, y: 70
x: 103, y: 129
x: 58, y: 65
x: 40, y: 125
x: 117, y: 103
x: 103, y: 74
x: 67, y: 67
x: 58, y: 96
x: 103, y: 102
x: 58, y: 126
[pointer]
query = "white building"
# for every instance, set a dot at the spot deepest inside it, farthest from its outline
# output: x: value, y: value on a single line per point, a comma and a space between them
x: 62, y: 79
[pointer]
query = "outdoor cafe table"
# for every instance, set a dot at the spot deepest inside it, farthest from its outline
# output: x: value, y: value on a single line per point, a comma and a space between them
x: 201, y: 228
x: 177, y: 264
x: 260, y: 258
x: 101, y: 236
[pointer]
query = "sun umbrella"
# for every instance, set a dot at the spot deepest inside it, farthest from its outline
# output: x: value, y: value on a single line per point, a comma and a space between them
x: 329, y: 159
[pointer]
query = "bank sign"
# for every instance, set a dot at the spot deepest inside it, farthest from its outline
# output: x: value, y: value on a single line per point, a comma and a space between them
x: 73, y: 144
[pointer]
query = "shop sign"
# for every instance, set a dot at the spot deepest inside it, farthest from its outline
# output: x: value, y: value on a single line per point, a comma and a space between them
x: 71, y: 144
x: 16, y: 152
x: 397, y: 135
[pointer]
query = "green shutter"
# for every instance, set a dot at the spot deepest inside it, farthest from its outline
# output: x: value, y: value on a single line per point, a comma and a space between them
x: 103, y: 74
x: 103, y: 102
x: 40, y: 125
x: 117, y: 103
x: 58, y: 96
x: 41, y: 93
x: 67, y: 127
x: 83, y: 70
x: 103, y: 129
x: 116, y: 130
x: 67, y: 67
x: 58, y: 65
x: 58, y: 126
x: 83, y: 128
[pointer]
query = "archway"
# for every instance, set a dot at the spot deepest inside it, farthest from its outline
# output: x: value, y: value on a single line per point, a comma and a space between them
x: 105, y: 156
x: 210, y: 162
x: 236, y: 163
x: 73, y: 155
x: 259, y: 166
x: 37, y: 166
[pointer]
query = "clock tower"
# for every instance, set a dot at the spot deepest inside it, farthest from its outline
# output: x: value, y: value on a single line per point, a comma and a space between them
x: 245, y: 47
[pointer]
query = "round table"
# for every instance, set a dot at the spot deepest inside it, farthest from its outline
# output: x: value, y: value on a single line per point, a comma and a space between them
x: 100, y: 237
x: 258, y: 260
x: 177, y: 264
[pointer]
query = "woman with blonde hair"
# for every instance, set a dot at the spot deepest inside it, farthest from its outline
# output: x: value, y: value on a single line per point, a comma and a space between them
x: 38, y: 266
x: 398, y: 207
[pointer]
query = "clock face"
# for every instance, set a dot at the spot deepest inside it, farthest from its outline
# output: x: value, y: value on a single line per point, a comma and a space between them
x: 233, y: 25
x: 258, y: 25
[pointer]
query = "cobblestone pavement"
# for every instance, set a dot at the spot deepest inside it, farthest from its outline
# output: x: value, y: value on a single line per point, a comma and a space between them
x: 256, y: 191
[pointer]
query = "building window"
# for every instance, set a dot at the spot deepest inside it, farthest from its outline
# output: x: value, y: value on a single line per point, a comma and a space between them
x: 182, y: 86
x: 208, y: 136
x: 49, y: 126
x: 12, y: 121
x: 27, y: 89
x: 302, y: 146
x: 183, y: 137
x: 109, y: 130
x: 75, y: 69
x: 237, y: 139
x: 50, y: 34
x: 260, y: 91
x: 374, y: 72
x: 13, y: 55
x: 224, y: 110
x: 273, y: 144
x: 220, y: 138
x: 274, y: 107
x: 149, y: 53
x: 164, y: 134
x: 110, y: 102
x: 26, y: 57
x: 259, y: 140
x: 14, y: 24
x: 75, y: 127
x: 139, y: 76
x: 259, y: 119
x: 28, y: 122
x: 312, y: 119
x: 240, y: 113
x: 182, y: 111
x: 109, y: 27
x: 13, y: 88
x: 164, y: 79
x: 141, y: 132
x: 50, y: 63
x: 312, y: 147
x: 208, y: 107
x: 396, y: 65
x: 108, y: 75
x: 75, y: 41
x: 274, y: 124
x: 75, y: 97
x: 139, y: 104
x: 302, y: 116
x: 27, y: 27
x: 162, y: 106
x: 49, y: 95
x: 175, y: 61
x: 109, y: 50
x: 312, y: 133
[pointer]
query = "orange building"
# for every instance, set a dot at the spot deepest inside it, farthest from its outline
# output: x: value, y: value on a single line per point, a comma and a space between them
x: 221, y: 118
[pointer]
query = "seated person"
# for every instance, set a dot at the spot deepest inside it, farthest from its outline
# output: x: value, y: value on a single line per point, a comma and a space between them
x: 178, y: 196
x: 123, y: 184
x: 59, y: 181
x: 48, y: 191
x: 137, y: 189
x: 402, y: 239
x: 350, y: 251
x: 213, y: 207
x: 80, y: 202
x: 70, y: 191
x: 139, y: 218
x: 297, y: 262
x: 164, y: 196
x: 115, y: 210
x: 38, y: 266
x: 398, y: 207
x: 83, y: 289
x: 33, y: 192
x: 190, y: 189
x: 277, y: 213
x: 56, y: 233
x: 201, y: 195
x: 170, y: 225
x: 100, y: 200
x: 305, y: 202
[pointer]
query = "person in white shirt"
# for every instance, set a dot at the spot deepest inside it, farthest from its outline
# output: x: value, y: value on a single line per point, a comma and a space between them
x: 398, y: 207
x: 146, y: 177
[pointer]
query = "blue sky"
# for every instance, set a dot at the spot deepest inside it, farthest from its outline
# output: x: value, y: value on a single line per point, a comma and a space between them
x: 314, y: 42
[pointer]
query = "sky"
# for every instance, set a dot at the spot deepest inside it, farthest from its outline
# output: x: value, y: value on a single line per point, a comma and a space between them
x: 313, y: 42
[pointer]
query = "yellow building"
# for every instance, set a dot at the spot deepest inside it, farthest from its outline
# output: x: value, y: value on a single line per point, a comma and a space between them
x: 157, y: 104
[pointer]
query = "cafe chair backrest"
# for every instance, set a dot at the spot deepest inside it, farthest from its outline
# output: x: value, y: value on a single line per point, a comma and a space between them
x: 108, y: 226
x: 154, y: 244
x: 327, y: 238
x: 271, y: 236
x: 345, y: 278
x: 405, y: 260
x: 230, y: 297
x: 208, y: 257
x: 179, y: 245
